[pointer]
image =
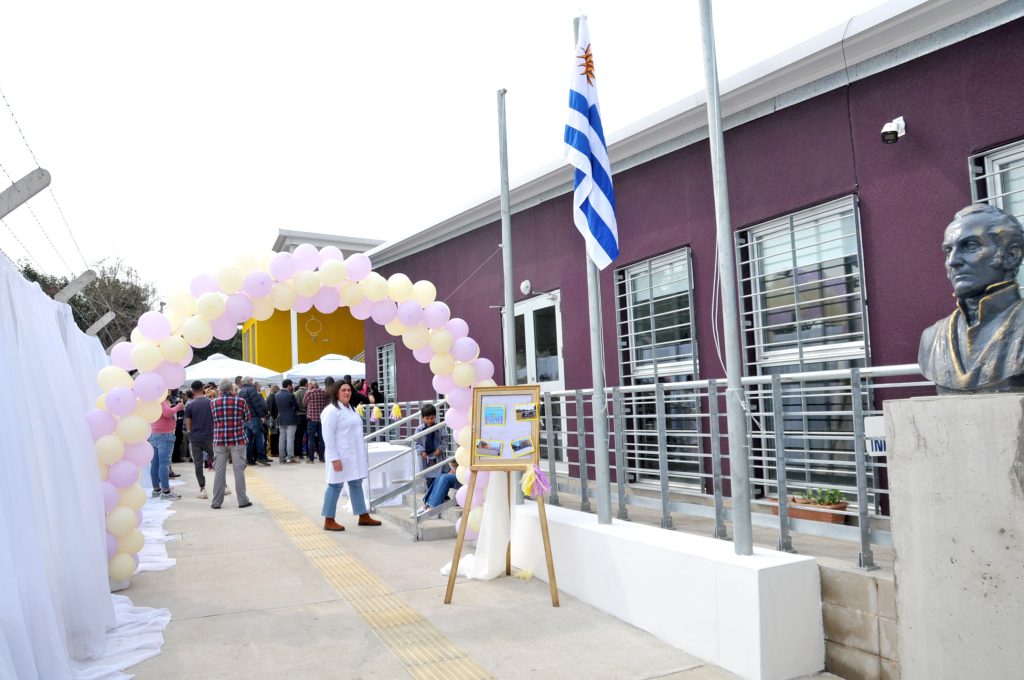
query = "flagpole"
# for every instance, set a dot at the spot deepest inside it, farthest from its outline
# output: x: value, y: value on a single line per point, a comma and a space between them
x: 739, y: 461
x: 599, y: 402
x: 509, y: 331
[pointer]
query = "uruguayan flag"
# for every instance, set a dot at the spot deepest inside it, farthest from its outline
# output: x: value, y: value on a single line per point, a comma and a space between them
x: 593, y: 199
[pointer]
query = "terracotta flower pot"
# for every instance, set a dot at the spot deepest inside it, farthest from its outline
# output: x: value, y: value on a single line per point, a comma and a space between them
x: 798, y: 509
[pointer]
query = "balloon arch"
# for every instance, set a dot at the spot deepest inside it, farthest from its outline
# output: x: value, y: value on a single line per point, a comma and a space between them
x: 161, y: 347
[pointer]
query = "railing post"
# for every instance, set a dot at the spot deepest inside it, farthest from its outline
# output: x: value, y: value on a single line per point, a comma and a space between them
x: 779, y: 425
x: 659, y: 406
x: 716, y: 460
x: 866, y: 559
x: 581, y: 439
x: 620, y: 452
x: 549, y: 427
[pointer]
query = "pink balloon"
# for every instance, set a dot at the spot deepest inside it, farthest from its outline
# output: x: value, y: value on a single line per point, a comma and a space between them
x: 358, y: 267
x: 460, y: 398
x: 258, y: 285
x: 443, y: 384
x: 362, y: 311
x: 436, y: 314
x: 123, y: 473
x: 189, y: 355
x: 410, y: 313
x: 456, y: 419
x: 111, y: 545
x: 384, y: 311
x: 111, y: 497
x: 149, y: 386
x: 460, y: 496
x: 223, y: 327
x: 457, y: 327
x: 470, y: 534
x: 479, y: 492
x: 203, y: 283
x: 465, y: 349
x: 121, y: 401
x: 100, y: 423
x: 484, y: 368
x: 238, y: 307
x: 302, y: 304
x: 327, y: 300
x: 121, y: 356
x: 173, y: 374
x: 306, y: 256
x: 481, y: 480
x: 423, y: 354
x: 282, y: 266
x: 140, y: 453
x: 154, y: 326
x: 328, y: 253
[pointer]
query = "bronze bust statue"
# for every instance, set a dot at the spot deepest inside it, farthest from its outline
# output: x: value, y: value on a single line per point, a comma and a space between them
x: 979, y: 348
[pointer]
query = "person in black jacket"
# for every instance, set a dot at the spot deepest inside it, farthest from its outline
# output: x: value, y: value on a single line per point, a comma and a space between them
x: 256, y: 449
x: 287, y: 421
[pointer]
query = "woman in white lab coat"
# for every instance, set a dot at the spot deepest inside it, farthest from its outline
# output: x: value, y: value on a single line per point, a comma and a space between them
x: 346, y: 458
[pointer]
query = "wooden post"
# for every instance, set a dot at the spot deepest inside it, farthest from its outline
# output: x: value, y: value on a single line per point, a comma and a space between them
x: 508, y: 550
x: 462, y: 537
x: 543, y: 517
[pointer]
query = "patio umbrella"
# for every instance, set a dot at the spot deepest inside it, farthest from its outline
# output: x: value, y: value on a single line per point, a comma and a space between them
x: 334, y: 365
x: 218, y: 366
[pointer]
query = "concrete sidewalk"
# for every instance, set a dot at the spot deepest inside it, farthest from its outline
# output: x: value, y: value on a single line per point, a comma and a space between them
x: 263, y: 592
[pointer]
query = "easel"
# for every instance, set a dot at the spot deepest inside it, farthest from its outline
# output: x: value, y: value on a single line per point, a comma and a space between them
x: 507, y: 465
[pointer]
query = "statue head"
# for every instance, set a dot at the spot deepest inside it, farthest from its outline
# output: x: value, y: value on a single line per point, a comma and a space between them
x: 984, y: 246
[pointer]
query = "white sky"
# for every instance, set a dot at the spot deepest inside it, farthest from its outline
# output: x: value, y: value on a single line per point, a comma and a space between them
x: 180, y: 135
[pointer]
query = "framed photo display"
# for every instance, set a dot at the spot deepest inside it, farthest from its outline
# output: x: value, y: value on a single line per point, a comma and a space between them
x: 506, y: 428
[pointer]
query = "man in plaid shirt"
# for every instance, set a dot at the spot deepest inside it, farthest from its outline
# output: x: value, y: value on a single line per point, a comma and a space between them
x: 315, y: 401
x: 229, y: 416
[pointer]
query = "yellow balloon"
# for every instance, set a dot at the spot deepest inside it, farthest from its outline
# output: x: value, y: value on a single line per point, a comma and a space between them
x: 133, y: 429
x: 486, y: 383
x: 101, y: 402
x: 306, y: 283
x: 104, y: 470
x: 132, y: 543
x: 464, y: 375
x: 441, y: 341
x: 283, y: 296
x: 121, y: 567
x: 476, y: 518
x: 399, y: 287
x: 464, y: 436
x: 230, y: 279
x: 395, y: 327
x: 137, y: 336
x: 352, y: 294
x: 374, y: 287
x: 462, y: 456
x: 442, y: 364
x: 121, y: 521
x: 462, y: 474
x: 176, y: 320
x: 415, y: 338
x: 174, y: 349
x: 332, y: 273
x: 110, y: 377
x: 247, y: 263
x: 423, y: 292
x: 263, y: 308
x: 265, y: 259
x: 109, y: 449
x: 146, y: 356
x: 196, y: 332
x: 209, y: 306
x: 133, y: 497
x: 181, y: 302
x: 150, y: 411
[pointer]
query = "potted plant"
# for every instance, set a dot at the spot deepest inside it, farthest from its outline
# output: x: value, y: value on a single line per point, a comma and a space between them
x: 823, y: 501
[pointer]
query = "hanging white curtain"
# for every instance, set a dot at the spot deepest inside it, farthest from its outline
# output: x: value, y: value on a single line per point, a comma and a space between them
x: 56, y: 610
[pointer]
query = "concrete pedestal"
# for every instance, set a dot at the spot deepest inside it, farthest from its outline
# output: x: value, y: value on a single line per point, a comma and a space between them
x: 956, y: 475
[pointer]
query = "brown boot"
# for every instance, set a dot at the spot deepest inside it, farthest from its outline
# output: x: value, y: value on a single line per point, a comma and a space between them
x: 331, y: 525
x: 366, y: 521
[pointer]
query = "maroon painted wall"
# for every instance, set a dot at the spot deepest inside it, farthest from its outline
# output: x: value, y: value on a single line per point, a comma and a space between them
x: 957, y: 101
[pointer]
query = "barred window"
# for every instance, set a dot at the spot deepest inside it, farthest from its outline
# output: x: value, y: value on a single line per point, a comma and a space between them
x: 998, y: 179
x: 387, y: 377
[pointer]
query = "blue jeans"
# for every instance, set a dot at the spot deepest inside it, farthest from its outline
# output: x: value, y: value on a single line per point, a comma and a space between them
x: 438, y: 491
x: 333, y: 492
x: 160, y: 466
x: 314, y: 439
x: 256, y: 443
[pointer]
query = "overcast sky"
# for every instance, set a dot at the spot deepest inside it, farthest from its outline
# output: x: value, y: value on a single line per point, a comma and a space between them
x: 182, y: 134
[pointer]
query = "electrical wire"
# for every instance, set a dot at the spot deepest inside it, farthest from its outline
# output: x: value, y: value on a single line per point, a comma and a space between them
x: 465, y: 280
x: 40, y: 225
x: 28, y: 253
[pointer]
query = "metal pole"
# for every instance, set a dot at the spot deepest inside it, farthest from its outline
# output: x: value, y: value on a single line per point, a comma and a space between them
x: 509, y: 335
x: 739, y: 456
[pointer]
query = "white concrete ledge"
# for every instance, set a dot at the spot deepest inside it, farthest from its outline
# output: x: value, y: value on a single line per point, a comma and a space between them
x: 757, y: 616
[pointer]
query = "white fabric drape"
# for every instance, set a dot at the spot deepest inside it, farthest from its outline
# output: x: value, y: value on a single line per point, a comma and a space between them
x: 56, y: 609
x: 495, y: 531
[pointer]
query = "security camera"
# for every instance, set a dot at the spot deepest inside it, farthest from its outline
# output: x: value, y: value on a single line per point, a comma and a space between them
x: 893, y: 130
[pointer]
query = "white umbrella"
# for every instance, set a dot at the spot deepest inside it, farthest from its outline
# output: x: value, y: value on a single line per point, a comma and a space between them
x: 334, y: 365
x: 218, y: 366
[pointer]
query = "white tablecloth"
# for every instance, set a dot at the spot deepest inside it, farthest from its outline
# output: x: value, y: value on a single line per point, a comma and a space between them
x: 387, y: 477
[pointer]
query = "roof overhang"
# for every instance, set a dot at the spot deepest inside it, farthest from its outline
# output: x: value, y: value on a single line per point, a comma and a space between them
x: 287, y: 240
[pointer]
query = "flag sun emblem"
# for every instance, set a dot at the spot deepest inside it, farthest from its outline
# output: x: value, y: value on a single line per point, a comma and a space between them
x: 587, y: 65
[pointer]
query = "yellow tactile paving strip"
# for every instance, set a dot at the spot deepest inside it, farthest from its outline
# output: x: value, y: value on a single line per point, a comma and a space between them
x: 425, y: 652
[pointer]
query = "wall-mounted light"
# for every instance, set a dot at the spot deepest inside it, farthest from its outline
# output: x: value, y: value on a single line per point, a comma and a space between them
x: 526, y: 287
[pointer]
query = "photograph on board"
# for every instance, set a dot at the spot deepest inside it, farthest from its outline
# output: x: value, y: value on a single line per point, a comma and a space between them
x: 526, y: 412
x: 494, y: 415
x: 521, y: 447
x: 490, y: 448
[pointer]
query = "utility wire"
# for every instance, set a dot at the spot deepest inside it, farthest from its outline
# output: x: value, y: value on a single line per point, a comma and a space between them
x: 40, y: 225
x: 466, y: 280
x: 28, y: 253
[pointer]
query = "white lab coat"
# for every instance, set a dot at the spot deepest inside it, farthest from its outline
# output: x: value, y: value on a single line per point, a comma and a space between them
x: 343, y: 440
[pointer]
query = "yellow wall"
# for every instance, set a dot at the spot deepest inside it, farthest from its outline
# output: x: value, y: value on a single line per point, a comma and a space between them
x: 268, y: 343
